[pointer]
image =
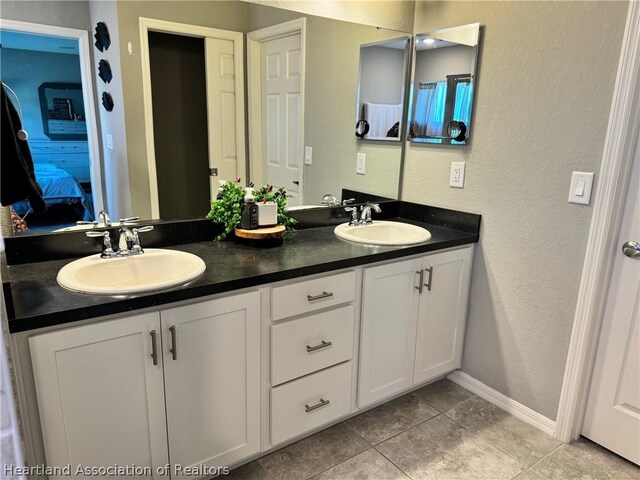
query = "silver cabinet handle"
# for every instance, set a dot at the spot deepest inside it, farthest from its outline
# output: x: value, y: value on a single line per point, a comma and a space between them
x: 428, y: 285
x: 321, y: 345
x: 174, y: 345
x: 631, y: 249
x: 419, y: 287
x: 310, y: 408
x: 311, y: 298
x: 154, y: 346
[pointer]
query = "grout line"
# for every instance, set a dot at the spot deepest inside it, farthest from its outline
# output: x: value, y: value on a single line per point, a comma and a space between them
x: 393, y: 463
x: 541, y: 459
x: 339, y: 463
x: 351, y: 429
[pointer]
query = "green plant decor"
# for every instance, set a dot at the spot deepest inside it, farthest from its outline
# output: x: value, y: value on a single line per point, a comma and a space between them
x: 227, y: 209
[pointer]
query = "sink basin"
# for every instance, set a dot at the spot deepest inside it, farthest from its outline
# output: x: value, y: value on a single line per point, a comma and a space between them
x: 383, y: 233
x: 155, y: 269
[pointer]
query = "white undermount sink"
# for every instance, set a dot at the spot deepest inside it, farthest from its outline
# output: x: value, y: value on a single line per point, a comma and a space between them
x: 154, y: 269
x: 381, y: 232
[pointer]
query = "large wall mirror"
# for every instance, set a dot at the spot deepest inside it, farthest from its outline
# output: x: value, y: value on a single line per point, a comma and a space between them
x: 443, y: 85
x: 306, y: 140
x: 381, y: 90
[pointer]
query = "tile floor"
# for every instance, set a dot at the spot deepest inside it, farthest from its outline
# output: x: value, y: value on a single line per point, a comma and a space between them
x: 439, y: 432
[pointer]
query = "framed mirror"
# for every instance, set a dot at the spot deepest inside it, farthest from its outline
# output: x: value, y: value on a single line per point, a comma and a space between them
x: 443, y: 85
x: 381, y: 89
x: 62, y: 109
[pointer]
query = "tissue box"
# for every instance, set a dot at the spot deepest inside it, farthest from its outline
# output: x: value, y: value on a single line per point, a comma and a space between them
x: 267, y: 214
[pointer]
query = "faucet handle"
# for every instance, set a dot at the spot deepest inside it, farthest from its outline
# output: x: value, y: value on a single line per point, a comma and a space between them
x: 348, y: 201
x: 136, y: 248
x: 129, y: 220
x: 94, y: 223
x: 354, y: 215
x: 107, y: 250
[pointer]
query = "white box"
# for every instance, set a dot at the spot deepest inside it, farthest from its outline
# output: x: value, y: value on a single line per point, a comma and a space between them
x: 267, y: 214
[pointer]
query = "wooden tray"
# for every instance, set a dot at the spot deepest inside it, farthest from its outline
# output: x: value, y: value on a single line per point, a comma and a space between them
x: 277, y: 231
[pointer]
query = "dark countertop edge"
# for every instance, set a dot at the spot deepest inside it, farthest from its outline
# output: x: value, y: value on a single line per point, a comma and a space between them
x: 129, y: 304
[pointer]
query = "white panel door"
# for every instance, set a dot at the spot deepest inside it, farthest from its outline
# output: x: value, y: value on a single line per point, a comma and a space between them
x: 212, y: 375
x: 222, y: 111
x: 389, y: 314
x: 443, y: 313
x: 612, y: 418
x: 281, y: 65
x: 100, y: 396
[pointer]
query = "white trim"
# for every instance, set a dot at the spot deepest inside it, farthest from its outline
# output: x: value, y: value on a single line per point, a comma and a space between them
x: 254, y: 91
x: 88, y: 95
x: 150, y: 24
x: 620, y: 144
x: 518, y: 410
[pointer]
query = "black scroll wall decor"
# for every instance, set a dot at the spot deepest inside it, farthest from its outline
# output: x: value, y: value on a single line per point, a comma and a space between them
x: 103, y: 40
x: 107, y: 101
x: 104, y: 71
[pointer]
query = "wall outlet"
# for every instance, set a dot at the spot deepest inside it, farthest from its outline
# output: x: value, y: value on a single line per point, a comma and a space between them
x: 456, y: 179
x: 580, y: 190
x: 109, y: 141
x: 361, y: 163
x: 308, y: 155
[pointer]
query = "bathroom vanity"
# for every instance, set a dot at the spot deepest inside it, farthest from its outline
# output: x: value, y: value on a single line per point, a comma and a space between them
x: 266, y: 347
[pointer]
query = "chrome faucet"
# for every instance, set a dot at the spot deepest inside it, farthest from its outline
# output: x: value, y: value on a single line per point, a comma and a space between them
x: 128, y: 241
x: 103, y: 215
x: 365, y: 212
x: 329, y: 200
x: 354, y: 216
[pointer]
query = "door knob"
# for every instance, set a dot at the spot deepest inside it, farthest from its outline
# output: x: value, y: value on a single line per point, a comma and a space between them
x: 631, y: 249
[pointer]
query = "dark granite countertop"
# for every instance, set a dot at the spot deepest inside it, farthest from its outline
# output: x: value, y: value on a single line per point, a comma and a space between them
x: 38, y: 301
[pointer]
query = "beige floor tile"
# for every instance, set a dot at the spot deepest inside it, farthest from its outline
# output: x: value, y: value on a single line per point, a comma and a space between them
x: 392, y: 418
x: 313, y: 455
x: 584, y: 459
x: 443, y: 394
x: 369, y: 465
x: 442, y: 449
x: 528, y: 475
x: 525, y: 443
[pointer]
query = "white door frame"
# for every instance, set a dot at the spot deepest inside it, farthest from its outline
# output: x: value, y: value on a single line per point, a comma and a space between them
x: 150, y: 24
x: 620, y: 145
x: 88, y: 94
x: 254, y: 91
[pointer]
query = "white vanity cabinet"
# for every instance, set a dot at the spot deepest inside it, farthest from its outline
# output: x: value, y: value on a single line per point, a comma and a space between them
x: 102, y: 388
x: 101, y: 395
x: 413, y: 319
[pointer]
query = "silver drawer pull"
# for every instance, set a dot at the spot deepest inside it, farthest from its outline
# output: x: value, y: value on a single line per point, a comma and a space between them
x: 322, y: 344
x: 320, y: 404
x: 311, y: 298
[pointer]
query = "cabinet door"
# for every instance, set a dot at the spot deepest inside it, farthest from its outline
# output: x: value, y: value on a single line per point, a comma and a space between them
x: 212, y: 375
x: 100, y: 396
x: 389, y: 313
x: 442, y: 313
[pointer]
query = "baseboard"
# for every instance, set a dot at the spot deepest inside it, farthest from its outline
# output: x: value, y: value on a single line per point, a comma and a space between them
x: 507, y: 404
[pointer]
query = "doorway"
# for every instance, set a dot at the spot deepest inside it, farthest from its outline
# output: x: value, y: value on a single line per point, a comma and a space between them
x: 276, y: 92
x: 46, y: 73
x: 193, y: 89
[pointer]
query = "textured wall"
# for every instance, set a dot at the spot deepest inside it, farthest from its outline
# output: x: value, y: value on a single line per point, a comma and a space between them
x: 115, y: 170
x: 545, y: 83
x: 70, y: 14
x: 392, y: 14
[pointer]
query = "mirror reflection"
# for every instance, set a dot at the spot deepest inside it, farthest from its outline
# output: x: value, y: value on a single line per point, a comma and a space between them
x: 383, y: 67
x: 259, y: 125
x: 443, y: 85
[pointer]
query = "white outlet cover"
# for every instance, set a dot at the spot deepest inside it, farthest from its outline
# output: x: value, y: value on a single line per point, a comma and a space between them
x: 308, y: 155
x: 580, y: 189
x: 361, y: 163
x: 456, y: 179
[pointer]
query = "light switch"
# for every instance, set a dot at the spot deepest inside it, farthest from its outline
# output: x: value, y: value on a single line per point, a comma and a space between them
x: 580, y: 190
x: 308, y: 155
x: 360, y: 165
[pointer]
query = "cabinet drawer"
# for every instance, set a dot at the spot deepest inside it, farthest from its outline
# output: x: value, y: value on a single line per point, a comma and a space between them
x: 310, y: 402
x: 303, y: 297
x: 311, y: 343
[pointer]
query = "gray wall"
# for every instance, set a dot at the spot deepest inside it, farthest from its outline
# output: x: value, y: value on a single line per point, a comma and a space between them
x: 436, y: 64
x: 68, y: 14
x: 381, y: 75
x: 545, y: 83
x: 25, y: 70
